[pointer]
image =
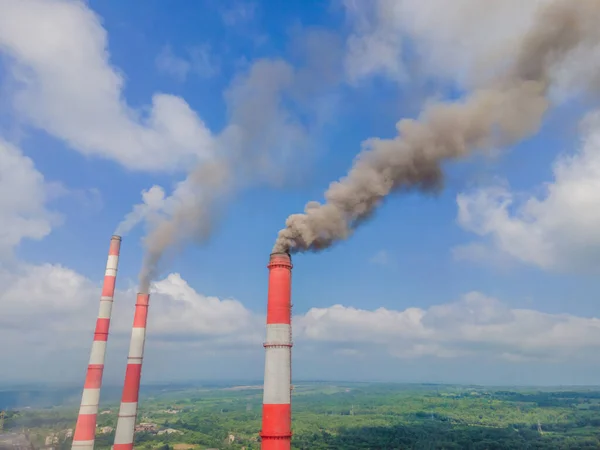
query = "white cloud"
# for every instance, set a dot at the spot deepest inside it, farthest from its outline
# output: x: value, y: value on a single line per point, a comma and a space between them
x: 459, y: 38
x: 50, y: 308
x: 475, y: 325
x: 557, y: 230
x: 199, y: 61
x: 465, y: 41
x: 66, y: 86
x: 179, y: 310
x: 49, y: 313
x: 46, y: 295
x: 23, y: 197
x: 375, y: 45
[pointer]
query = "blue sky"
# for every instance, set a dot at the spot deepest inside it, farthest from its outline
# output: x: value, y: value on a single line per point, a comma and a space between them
x: 430, y: 284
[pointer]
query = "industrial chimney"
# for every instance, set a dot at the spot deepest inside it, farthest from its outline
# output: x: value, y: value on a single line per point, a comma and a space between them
x: 131, y: 389
x: 276, y: 430
x: 85, y: 429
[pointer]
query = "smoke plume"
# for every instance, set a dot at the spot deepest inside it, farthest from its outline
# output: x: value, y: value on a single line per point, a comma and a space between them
x: 252, y: 148
x: 191, y: 218
x: 506, y: 111
x: 243, y: 152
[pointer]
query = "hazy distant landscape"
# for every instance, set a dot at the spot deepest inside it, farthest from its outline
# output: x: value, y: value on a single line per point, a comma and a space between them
x: 326, y: 415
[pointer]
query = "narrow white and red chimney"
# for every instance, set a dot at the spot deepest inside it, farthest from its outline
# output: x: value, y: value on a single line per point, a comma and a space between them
x: 85, y: 429
x: 129, y: 401
x: 276, y: 433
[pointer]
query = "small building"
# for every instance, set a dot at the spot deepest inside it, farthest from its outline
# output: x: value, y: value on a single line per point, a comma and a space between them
x: 147, y: 427
x: 169, y: 431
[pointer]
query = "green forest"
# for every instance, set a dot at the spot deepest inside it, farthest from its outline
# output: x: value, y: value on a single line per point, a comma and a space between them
x: 340, y: 416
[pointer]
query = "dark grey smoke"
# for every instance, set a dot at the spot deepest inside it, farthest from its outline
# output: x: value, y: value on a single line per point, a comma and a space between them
x: 192, y: 218
x: 501, y: 114
x: 263, y: 138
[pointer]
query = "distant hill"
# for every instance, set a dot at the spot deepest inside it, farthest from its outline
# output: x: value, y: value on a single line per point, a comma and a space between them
x: 40, y: 396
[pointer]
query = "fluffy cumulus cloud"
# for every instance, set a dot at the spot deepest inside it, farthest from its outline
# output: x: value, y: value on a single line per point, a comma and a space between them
x: 557, y: 230
x: 47, y: 297
x: 23, y: 197
x: 59, y: 302
x: 180, y: 311
x: 49, y: 313
x: 464, y: 41
x: 474, y: 325
x: 62, y: 82
x: 456, y: 37
x: 464, y: 36
x: 60, y: 305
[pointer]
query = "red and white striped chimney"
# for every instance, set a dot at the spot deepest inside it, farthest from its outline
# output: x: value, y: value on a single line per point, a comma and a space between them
x: 85, y: 429
x: 131, y: 389
x: 276, y: 433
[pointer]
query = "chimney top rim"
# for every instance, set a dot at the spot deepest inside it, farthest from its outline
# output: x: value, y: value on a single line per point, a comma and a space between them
x: 274, y: 254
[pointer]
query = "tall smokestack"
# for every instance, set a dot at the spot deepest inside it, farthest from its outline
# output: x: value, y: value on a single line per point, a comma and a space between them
x: 276, y: 431
x: 131, y: 389
x: 85, y: 429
